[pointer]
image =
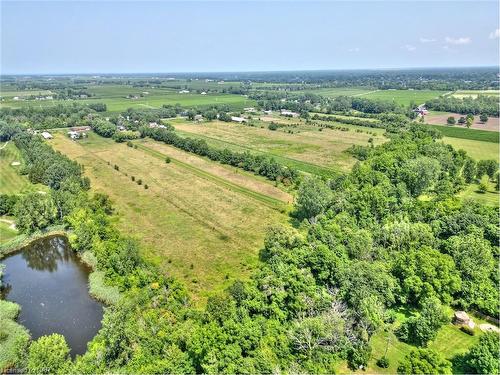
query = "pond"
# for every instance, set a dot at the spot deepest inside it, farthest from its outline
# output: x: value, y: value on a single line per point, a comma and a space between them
x: 50, y: 283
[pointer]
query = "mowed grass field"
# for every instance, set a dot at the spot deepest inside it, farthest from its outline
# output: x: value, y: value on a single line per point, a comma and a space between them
x: 404, y: 97
x: 11, y: 182
x: 308, y: 149
x: 196, y: 223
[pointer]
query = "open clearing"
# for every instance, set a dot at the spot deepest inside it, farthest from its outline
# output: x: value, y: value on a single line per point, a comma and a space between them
x: 493, y: 123
x: 404, y: 97
x: 476, y: 149
x: 11, y: 182
x: 309, y: 145
x: 196, y: 228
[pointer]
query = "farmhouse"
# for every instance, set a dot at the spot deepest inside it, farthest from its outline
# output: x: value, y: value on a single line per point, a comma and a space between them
x: 76, y: 135
x: 238, y: 119
x: 198, y: 118
x: 203, y: 93
x: 153, y: 124
x: 184, y: 92
x: 421, y: 110
x: 285, y: 112
x: 46, y: 135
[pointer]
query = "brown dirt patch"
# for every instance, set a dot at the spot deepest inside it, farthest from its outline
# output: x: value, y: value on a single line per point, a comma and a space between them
x: 493, y: 123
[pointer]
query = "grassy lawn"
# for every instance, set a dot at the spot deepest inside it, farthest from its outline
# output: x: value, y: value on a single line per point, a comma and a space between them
x: 341, y: 91
x: 6, y: 231
x: 404, y: 97
x: 204, y: 230
x: 11, y: 182
x: 308, y: 146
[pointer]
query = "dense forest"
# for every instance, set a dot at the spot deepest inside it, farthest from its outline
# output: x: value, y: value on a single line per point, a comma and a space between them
x: 363, y: 244
x: 483, y: 104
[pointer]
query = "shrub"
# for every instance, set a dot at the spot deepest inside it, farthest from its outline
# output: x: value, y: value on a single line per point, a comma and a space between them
x: 130, y: 144
x: 110, y: 295
x: 48, y: 355
x: 167, y: 159
x: 383, y: 362
x: 146, y: 186
x: 273, y: 126
x: 132, y: 178
x: 483, y: 118
x: 117, y: 168
x: 451, y: 120
x: 468, y: 330
x: 139, y: 182
x: 483, y: 188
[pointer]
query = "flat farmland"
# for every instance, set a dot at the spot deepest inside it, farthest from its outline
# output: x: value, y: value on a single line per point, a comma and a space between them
x: 404, y: 97
x: 324, y: 149
x: 440, y: 118
x: 342, y: 91
x: 116, y: 99
x: 195, y: 222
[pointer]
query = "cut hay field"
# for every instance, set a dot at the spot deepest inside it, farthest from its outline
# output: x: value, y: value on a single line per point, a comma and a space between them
x: 476, y: 149
x: 308, y: 147
x: 404, y: 97
x: 194, y: 221
x: 11, y: 182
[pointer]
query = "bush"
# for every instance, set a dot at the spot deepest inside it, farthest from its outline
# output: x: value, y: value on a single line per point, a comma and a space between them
x: 146, y: 186
x: 483, y: 188
x: 167, y: 159
x: 139, y: 182
x: 483, y: 118
x: 48, y: 355
x: 451, y: 120
x: 132, y: 178
x: 117, y: 168
x: 130, y: 144
x: 383, y: 362
x: 273, y: 126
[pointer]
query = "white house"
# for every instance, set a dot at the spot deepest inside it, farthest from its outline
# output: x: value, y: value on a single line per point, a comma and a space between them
x: 198, y: 118
x: 203, y: 93
x: 46, y: 135
x: 238, y: 119
x: 184, y: 92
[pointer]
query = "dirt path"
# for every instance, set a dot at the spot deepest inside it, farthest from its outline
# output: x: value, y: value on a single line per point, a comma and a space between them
x: 11, y: 223
x: 5, y: 145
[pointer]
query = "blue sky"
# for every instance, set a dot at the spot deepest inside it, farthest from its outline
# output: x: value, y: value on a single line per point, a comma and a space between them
x: 167, y: 36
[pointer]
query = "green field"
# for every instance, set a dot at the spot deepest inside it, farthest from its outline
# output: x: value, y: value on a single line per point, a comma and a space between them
x: 200, y: 221
x: 404, y: 97
x: 470, y: 134
x: 7, y: 232
x: 341, y: 91
x: 119, y: 104
x: 307, y: 149
x: 476, y: 149
x: 11, y: 182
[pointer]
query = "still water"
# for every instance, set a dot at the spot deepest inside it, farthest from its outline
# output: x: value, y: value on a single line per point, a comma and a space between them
x: 50, y: 283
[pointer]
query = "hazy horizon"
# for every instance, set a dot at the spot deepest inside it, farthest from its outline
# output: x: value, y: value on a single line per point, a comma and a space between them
x: 183, y: 37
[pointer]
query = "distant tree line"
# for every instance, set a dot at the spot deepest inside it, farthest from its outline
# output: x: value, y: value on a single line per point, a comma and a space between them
x: 482, y: 105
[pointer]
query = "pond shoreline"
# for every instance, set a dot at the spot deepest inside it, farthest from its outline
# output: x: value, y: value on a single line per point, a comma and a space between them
x: 23, y: 240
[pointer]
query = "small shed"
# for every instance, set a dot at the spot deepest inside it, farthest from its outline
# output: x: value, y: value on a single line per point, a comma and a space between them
x: 47, y: 135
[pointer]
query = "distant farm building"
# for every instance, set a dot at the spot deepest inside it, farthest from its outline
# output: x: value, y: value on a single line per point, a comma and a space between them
x: 238, y: 119
x: 203, y: 93
x: 153, y: 124
x: 184, y: 92
x: 285, y: 112
x: 198, y: 118
x: 76, y: 135
x: 47, y: 135
x: 249, y: 109
x: 421, y: 111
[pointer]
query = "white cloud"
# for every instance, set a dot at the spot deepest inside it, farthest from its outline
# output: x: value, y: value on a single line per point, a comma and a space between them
x: 355, y: 49
x: 427, y: 40
x: 495, y: 34
x: 457, y: 41
x: 409, y: 47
